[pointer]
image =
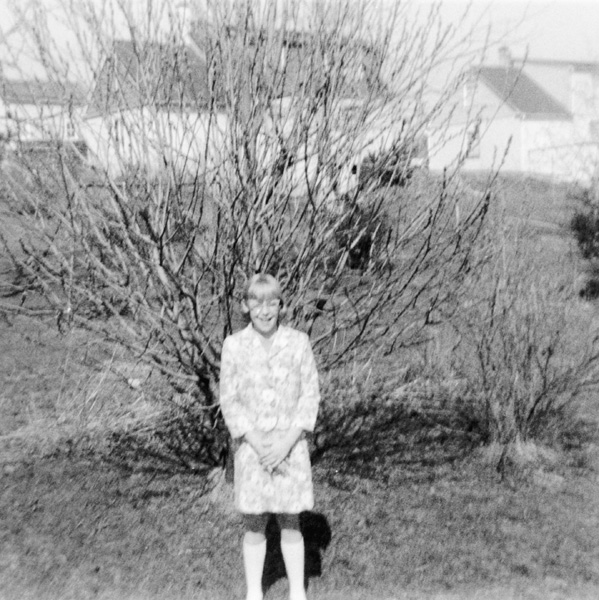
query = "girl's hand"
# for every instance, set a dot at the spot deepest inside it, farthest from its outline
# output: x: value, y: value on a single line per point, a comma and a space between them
x: 277, y: 449
x: 258, y: 440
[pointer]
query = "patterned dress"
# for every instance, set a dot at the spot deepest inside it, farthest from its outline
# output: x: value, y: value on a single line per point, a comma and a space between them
x: 270, y: 390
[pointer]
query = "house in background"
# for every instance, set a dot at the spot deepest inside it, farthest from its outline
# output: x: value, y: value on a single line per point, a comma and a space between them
x: 40, y: 111
x: 538, y: 117
x: 149, y: 103
x: 152, y: 102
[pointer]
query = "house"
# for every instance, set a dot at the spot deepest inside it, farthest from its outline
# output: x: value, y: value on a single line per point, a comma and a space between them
x: 150, y: 104
x: 40, y: 111
x: 536, y: 116
x: 154, y: 104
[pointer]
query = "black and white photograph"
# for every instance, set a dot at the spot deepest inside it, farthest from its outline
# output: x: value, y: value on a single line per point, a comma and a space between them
x: 299, y: 299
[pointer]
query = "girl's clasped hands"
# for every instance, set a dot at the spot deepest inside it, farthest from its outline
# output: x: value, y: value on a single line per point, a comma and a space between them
x: 272, y: 447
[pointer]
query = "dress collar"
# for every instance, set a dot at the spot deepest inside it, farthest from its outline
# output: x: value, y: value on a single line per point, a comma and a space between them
x: 256, y: 340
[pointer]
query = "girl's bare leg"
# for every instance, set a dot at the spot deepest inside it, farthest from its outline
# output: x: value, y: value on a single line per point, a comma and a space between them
x: 292, y: 547
x: 254, y: 552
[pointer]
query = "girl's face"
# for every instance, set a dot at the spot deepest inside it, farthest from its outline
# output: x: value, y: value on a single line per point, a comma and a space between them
x: 264, y: 314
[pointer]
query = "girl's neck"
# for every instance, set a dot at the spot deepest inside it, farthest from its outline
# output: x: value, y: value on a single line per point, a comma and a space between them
x: 267, y: 339
x: 266, y: 342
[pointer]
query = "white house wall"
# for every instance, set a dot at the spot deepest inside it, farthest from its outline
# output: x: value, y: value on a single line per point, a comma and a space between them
x: 499, y: 143
x: 499, y: 128
x: 193, y: 142
x: 144, y: 138
x: 558, y: 150
x: 326, y: 178
x: 548, y: 148
x: 37, y: 122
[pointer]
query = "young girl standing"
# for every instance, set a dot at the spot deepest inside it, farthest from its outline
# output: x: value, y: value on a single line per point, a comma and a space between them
x: 269, y: 397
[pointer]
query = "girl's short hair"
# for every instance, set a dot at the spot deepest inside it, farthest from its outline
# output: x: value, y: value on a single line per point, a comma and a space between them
x: 261, y: 286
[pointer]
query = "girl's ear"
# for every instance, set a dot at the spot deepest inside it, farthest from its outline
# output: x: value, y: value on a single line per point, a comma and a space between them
x: 245, y: 309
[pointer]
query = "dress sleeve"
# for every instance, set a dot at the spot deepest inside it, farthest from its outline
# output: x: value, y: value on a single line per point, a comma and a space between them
x: 235, y: 414
x: 309, y: 399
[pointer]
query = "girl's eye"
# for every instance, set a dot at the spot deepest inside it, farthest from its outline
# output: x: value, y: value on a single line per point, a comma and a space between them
x: 271, y: 304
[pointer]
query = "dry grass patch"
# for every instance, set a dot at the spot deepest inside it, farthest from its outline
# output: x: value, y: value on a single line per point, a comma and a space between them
x: 79, y: 528
x: 59, y: 388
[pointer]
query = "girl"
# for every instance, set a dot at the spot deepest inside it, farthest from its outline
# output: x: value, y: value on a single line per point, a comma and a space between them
x: 269, y: 397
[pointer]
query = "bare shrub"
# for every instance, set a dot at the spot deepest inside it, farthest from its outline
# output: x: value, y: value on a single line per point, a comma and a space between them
x: 368, y: 425
x: 585, y: 226
x: 525, y: 348
x: 184, y: 436
x: 234, y: 150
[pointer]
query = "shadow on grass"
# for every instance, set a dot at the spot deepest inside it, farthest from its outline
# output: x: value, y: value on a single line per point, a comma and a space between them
x: 317, y: 536
x: 362, y: 440
x: 185, y: 439
x: 367, y: 438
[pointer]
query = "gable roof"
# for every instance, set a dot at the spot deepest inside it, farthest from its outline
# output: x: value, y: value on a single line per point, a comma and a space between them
x: 178, y: 77
x: 154, y: 74
x: 574, y: 65
x: 522, y: 94
x: 41, y: 92
x: 304, y: 54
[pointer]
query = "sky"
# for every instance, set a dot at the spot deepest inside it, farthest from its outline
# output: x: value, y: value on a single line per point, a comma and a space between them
x: 548, y: 29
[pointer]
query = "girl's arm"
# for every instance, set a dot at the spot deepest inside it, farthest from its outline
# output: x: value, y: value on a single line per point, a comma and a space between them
x: 235, y: 414
x: 307, y: 405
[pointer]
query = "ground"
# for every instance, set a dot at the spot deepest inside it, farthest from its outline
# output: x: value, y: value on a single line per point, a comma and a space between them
x: 83, y: 528
x: 82, y: 516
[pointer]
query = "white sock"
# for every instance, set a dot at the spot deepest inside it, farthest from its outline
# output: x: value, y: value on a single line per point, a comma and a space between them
x: 253, y: 563
x: 293, y: 556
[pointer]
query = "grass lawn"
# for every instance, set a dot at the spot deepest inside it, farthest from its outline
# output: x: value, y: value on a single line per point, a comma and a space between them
x: 78, y: 527
x: 79, y: 519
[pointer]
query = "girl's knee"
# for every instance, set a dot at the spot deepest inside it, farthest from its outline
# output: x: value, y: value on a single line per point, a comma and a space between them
x: 253, y: 538
x: 290, y: 528
x: 255, y: 524
x: 291, y: 536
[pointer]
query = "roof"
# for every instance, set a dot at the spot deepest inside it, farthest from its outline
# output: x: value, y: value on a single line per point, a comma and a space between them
x: 150, y: 74
x: 574, y: 65
x: 178, y: 77
x: 522, y: 94
x: 40, y: 92
x: 304, y: 58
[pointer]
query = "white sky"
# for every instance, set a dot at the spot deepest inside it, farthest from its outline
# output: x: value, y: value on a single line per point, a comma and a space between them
x: 559, y: 29
x: 556, y: 29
